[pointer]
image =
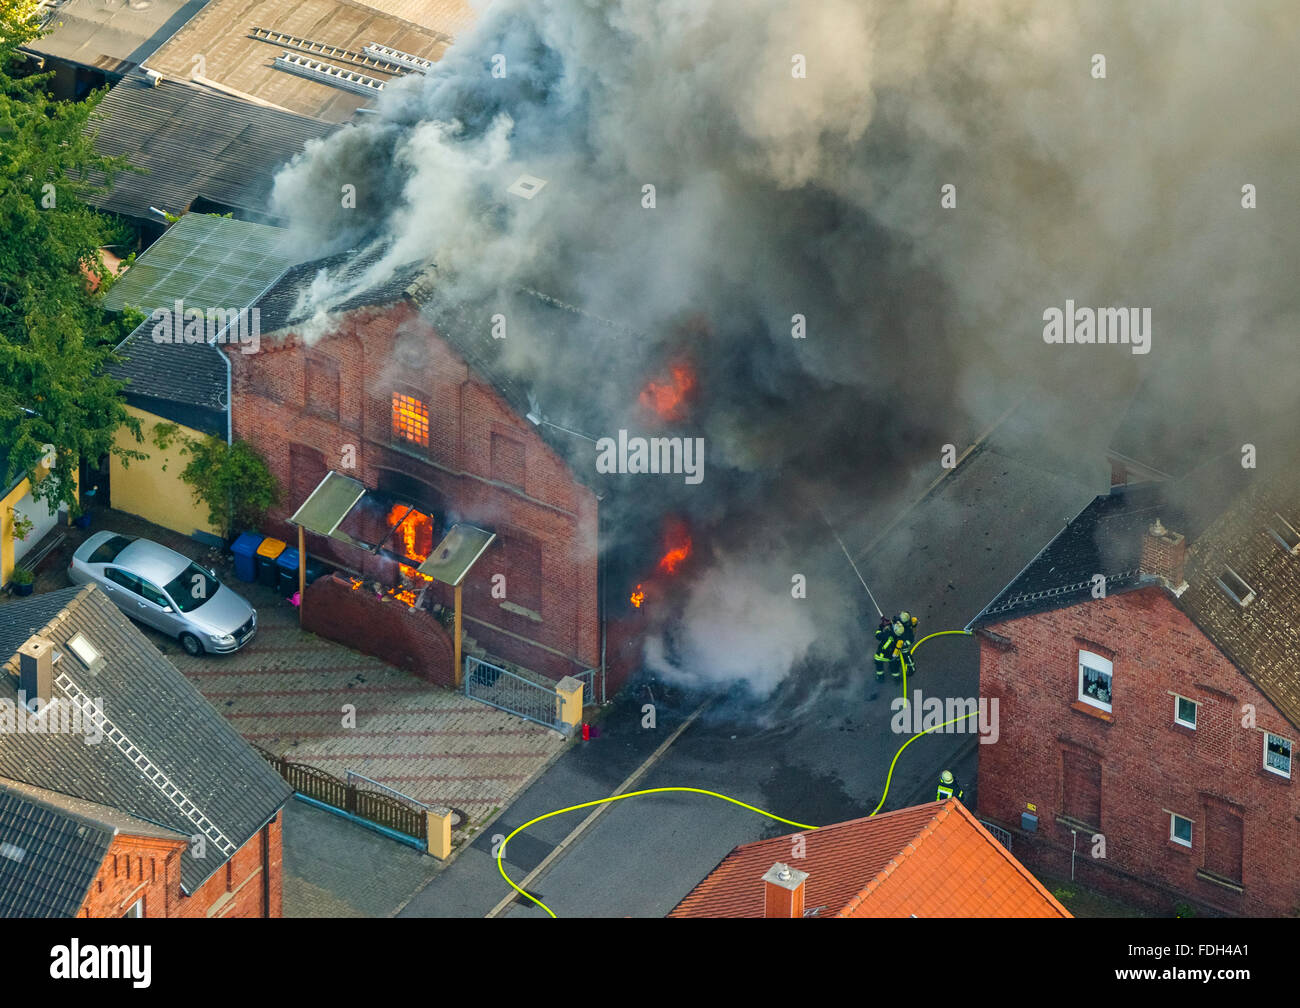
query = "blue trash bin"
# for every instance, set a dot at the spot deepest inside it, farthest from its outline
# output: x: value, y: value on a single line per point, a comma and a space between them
x: 245, y: 551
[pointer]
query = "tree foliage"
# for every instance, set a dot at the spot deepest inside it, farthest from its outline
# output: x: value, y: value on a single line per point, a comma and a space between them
x: 54, y: 337
x: 232, y: 480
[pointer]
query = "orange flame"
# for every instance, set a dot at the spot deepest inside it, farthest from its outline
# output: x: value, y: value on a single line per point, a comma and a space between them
x: 638, y: 597
x: 669, y: 399
x: 675, y: 557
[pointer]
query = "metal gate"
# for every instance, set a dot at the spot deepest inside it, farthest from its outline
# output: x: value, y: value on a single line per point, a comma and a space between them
x: 512, y: 693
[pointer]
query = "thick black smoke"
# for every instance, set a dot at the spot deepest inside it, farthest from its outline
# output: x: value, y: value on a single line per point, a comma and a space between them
x: 797, y: 153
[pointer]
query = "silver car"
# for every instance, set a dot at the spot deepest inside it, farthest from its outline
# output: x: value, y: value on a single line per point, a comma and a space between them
x: 166, y: 591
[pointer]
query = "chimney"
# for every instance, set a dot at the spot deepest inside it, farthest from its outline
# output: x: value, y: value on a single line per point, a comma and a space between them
x: 36, y: 668
x: 1164, y: 554
x: 783, y: 891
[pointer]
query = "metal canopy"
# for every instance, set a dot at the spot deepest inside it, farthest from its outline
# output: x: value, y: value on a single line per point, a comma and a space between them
x: 459, y: 550
x: 328, y: 505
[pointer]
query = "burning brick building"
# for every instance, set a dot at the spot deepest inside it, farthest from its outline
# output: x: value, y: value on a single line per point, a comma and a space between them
x: 406, y: 407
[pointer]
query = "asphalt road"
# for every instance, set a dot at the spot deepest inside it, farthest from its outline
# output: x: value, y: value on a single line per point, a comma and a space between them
x: 820, y: 751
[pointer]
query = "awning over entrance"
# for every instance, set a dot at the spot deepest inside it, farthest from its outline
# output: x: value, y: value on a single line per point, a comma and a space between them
x: 459, y: 550
x: 324, y: 510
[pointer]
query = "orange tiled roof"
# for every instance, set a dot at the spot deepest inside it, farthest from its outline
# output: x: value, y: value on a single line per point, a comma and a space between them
x: 930, y: 860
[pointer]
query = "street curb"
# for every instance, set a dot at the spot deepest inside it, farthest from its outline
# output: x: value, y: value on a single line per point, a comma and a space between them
x: 469, y: 840
x: 596, y: 813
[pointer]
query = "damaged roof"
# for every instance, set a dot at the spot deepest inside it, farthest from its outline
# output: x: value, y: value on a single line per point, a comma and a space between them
x: 176, y: 762
x: 930, y: 860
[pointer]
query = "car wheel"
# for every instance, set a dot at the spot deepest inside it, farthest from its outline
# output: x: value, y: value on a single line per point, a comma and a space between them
x: 191, y: 645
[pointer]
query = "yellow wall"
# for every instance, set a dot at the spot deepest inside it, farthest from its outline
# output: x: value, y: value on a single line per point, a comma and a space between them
x: 6, y: 529
x: 152, y: 488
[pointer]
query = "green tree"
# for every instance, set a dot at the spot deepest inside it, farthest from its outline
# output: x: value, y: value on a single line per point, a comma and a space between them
x: 232, y: 480
x: 54, y: 337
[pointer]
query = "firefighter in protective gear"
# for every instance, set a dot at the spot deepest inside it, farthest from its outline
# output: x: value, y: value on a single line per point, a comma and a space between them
x: 903, y: 628
x: 948, y: 787
x: 884, y: 645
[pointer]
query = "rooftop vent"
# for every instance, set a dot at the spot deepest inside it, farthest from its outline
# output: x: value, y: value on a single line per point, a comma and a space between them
x: 377, y: 51
x: 1237, y: 589
x: 327, y: 73
x: 1281, y: 530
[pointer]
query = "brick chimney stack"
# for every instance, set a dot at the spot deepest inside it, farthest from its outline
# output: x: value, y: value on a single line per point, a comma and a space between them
x: 1164, y: 554
x: 783, y: 891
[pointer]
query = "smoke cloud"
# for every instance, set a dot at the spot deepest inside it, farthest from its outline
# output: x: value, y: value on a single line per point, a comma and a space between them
x: 778, y: 195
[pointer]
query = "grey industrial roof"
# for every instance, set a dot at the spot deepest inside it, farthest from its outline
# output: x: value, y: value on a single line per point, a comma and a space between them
x: 194, y: 143
x: 247, y: 63
x: 111, y: 36
x: 205, y: 261
x: 169, y: 733
x: 52, y: 846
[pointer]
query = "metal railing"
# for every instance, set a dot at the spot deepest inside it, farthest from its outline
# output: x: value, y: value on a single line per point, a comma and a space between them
x: 512, y: 693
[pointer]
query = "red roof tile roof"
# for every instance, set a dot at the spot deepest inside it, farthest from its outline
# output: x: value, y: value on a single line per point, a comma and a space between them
x: 930, y: 860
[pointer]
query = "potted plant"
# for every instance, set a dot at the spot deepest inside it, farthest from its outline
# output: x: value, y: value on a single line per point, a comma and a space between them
x: 20, y: 524
x: 21, y: 579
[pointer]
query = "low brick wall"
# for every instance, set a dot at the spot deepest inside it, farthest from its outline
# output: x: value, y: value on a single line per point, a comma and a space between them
x: 410, y: 639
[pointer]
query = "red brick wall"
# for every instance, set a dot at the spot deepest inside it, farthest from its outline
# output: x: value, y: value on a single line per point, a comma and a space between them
x: 235, y: 889
x: 1149, y: 765
x: 378, y: 351
x: 408, y: 638
x: 136, y: 867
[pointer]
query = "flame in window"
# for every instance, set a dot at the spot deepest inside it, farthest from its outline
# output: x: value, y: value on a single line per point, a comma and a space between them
x: 410, y: 419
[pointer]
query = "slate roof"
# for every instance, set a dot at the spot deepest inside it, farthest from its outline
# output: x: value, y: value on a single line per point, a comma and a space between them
x: 930, y: 860
x: 205, y: 261
x: 48, y: 859
x: 189, y: 373
x: 159, y: 713
x: 114, y: 37
x: 194, y: 143
x: 1261, y: 638
x: 52, y: 846
x: 282, y: 304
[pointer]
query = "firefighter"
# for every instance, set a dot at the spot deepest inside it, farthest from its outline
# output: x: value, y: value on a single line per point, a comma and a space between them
x: 904, y: 632
x: 948, y: 787
x: 884, y: 646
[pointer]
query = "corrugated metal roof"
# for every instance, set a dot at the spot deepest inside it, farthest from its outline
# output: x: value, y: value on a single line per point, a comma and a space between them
x: 205, y: 261
x: 193, y: 143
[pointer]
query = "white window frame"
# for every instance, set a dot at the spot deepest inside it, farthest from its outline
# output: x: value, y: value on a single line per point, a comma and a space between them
x: 136, y: 909
x: 1196, y: 709
x: 1097, y: 663
x: 1290, y: 746
x: 1173, y: 830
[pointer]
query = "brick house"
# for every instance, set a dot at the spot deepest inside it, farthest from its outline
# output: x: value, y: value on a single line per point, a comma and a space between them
x: 385, y: 396
x: 931, y: 860
x: 163, y: 811
x: 1149, y: 719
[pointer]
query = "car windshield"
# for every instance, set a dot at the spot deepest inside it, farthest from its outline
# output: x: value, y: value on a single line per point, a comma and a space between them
x: 107, y: 551
x: 192, y: 587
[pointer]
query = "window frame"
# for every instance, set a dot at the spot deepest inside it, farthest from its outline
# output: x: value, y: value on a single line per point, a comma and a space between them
x: 1108, y: 671
x: 1290, y: 749
x: 133, y: 588
x: 400, y: 433
x: 1173, y: 833
x: 1196, y: 707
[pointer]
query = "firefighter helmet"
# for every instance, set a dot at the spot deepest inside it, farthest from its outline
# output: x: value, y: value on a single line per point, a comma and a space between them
x: 905, y: 616
x: 898, y: 629
x: 945, y: 777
